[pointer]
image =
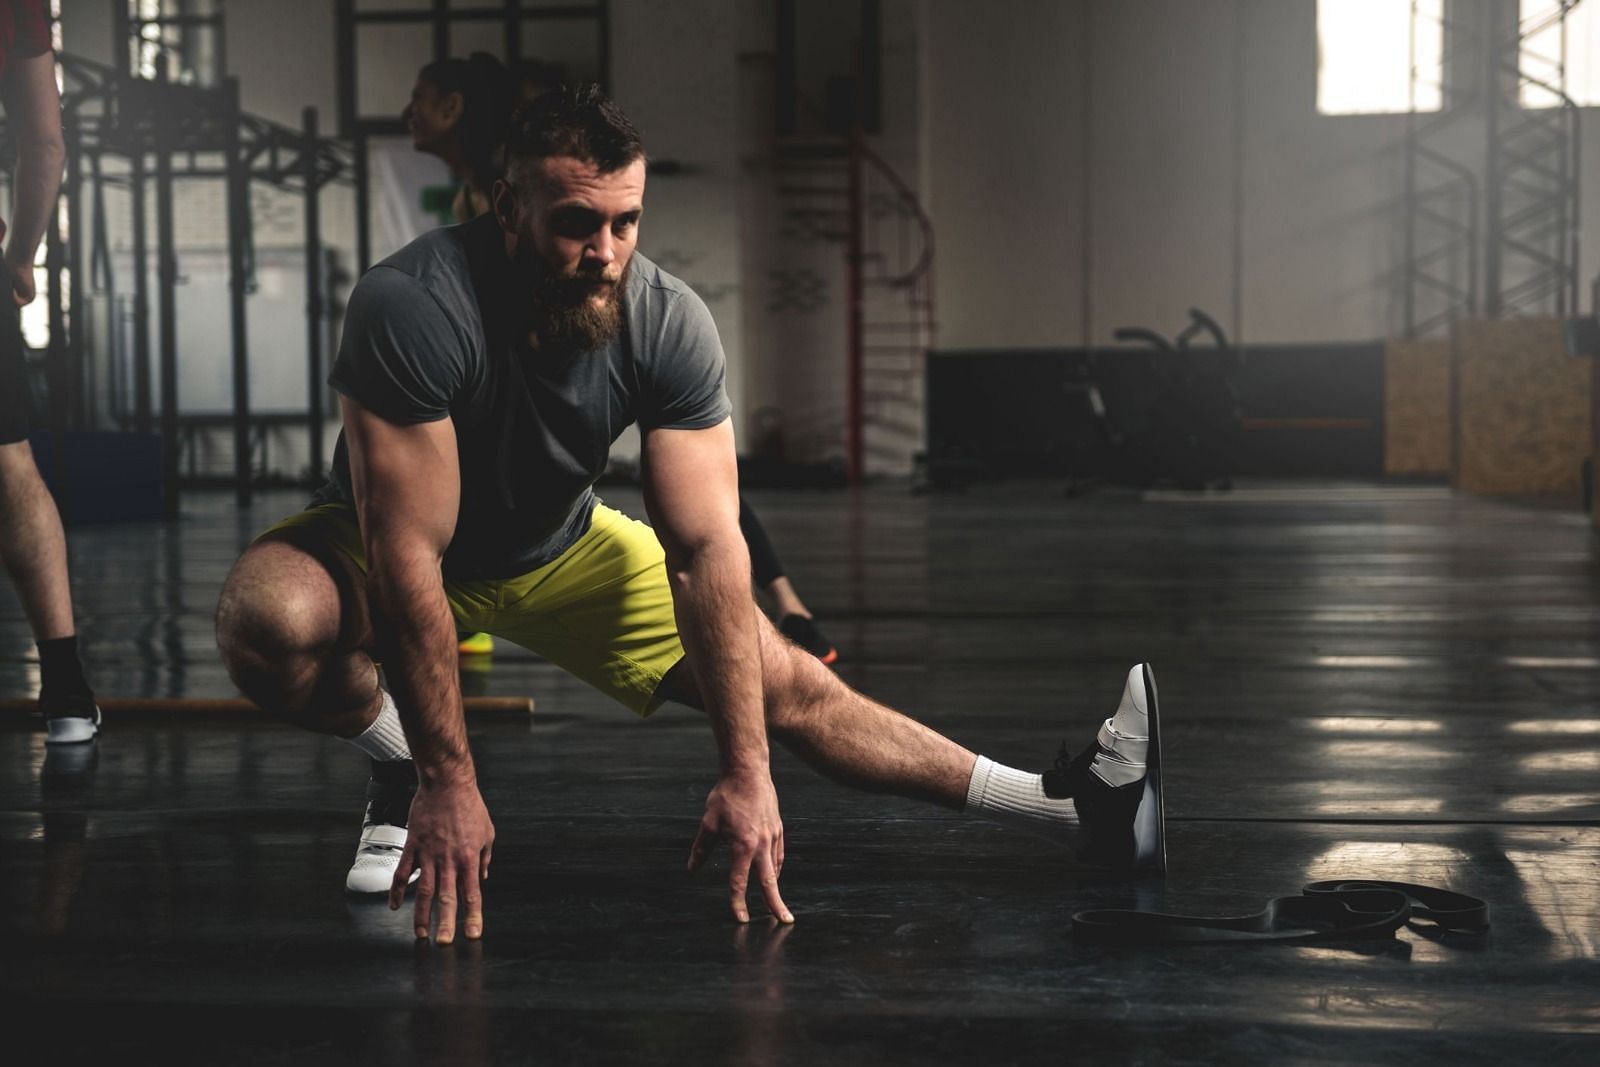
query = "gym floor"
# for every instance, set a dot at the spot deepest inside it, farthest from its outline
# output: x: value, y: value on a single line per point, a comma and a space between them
x: 1355, y: 680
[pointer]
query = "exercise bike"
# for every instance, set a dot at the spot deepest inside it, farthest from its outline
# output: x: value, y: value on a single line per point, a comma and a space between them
x: 1179, y: 423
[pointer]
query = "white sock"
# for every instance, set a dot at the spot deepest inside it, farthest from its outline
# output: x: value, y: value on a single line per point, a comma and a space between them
x: 1016, y: 798
x: 385, y: 739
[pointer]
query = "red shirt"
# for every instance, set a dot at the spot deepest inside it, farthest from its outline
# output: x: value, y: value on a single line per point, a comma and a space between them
x: 24, y: 30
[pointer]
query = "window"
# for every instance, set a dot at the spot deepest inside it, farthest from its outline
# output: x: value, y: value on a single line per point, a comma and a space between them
x: 1366, y: 50
x: 1546, y: 48
x: 184, y: 37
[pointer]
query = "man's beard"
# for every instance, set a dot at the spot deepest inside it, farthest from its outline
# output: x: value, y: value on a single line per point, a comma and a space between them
x: 562, y: 311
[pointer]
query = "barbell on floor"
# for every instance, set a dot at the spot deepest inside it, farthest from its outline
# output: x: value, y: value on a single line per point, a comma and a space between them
x: 235, y: 705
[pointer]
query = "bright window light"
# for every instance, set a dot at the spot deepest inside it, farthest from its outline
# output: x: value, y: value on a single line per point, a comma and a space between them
x: 1542, y: 53
x: 1365, y: 50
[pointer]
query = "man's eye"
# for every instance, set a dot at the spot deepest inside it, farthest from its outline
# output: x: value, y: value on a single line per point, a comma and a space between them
x: 575, y: 223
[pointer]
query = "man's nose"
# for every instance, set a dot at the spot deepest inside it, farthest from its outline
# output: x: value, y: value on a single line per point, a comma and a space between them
x: 602, y: 247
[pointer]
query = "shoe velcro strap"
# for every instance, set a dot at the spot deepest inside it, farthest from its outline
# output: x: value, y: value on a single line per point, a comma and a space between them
x: 385, y: 835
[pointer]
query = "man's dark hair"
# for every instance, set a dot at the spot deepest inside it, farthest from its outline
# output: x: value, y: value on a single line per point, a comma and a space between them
x: 580, y: 122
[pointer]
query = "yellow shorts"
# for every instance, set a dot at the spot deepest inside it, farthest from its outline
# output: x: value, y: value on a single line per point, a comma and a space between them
x: 602, y: 611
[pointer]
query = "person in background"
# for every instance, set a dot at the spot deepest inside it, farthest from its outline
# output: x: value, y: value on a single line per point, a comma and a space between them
x: 32, y: 544
x: 458, y: 111
x: 794, y: 619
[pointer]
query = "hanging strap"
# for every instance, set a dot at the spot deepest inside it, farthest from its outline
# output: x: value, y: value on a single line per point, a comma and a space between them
x: 100, y: 277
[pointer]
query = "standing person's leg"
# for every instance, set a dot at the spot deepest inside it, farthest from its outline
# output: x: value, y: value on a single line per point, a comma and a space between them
x: 795, y: 620
x: 294, y: 631
x: 33, y: 544
x: 33, y: 549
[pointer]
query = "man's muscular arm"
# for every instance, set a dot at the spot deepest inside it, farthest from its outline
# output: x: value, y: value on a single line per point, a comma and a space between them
x: 407, y: 489
x: 692, y: 494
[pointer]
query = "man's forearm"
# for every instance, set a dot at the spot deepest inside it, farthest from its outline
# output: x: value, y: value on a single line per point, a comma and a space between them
x: 38, y: 181
x: 416, y: 639
x: 716, y: 621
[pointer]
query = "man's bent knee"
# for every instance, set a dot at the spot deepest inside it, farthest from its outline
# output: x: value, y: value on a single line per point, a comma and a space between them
x: 794, y: 682
x: 277, y: 623
x: 270, y: 604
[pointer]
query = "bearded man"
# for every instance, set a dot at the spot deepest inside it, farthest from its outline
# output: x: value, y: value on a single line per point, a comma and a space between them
x: 484, y: 372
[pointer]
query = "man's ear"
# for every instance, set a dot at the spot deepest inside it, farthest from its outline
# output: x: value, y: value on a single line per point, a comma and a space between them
x: 504, y: 200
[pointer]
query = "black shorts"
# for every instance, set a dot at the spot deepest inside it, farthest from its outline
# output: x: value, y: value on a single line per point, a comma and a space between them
x: 16, y: 398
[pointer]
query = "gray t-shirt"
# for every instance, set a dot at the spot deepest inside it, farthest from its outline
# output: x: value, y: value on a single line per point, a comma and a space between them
x: 428, y: 334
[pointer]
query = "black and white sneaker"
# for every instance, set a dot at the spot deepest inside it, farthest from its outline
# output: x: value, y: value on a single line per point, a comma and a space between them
x: 71, y: 722
x: 1123, y: 826
x: 383, y: 830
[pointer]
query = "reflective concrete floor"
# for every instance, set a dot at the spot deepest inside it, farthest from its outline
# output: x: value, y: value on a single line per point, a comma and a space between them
x: 1356, y: 681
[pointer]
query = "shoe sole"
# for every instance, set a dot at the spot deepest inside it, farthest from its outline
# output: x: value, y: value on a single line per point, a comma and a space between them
x: 475, y: 647
x: 1150, y: 819
x: 383, y: 891
x: 70, y: 730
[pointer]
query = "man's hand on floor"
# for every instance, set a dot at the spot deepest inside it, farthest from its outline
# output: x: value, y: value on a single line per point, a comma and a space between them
x: 450, y: 840
x: 743, y: 810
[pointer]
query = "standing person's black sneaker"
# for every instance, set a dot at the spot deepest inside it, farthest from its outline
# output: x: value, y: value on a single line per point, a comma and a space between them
x: 1115, y: 784
x: 383, y: 830
x: 70, y: 722
x: 802, y: 630
x: 65, y: 699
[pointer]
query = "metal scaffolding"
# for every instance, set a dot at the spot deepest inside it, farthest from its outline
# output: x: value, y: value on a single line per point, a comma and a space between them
x: 1441, y: 191
x: 1491, y: 195
x: 163, y: 132
x: 1532, y: 185
x: 185, y: 40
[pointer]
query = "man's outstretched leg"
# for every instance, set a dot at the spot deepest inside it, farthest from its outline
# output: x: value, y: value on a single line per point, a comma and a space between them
x: 1106, y: 803
x: 293, y: 631
x: 34, y: 552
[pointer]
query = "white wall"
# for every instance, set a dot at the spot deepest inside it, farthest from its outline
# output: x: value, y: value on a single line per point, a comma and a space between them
x: 1004, y: 184
x: 675, y: 72
x: 1317, y: 224
x: 1160, y: 162
x: 1321, y: 222
x: 283, y: 53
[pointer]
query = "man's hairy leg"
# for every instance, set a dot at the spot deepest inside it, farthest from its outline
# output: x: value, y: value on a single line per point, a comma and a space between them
x: 293, y: 632
x: 844, y: 735
x: 32, y: 545
x: 860, y: 743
